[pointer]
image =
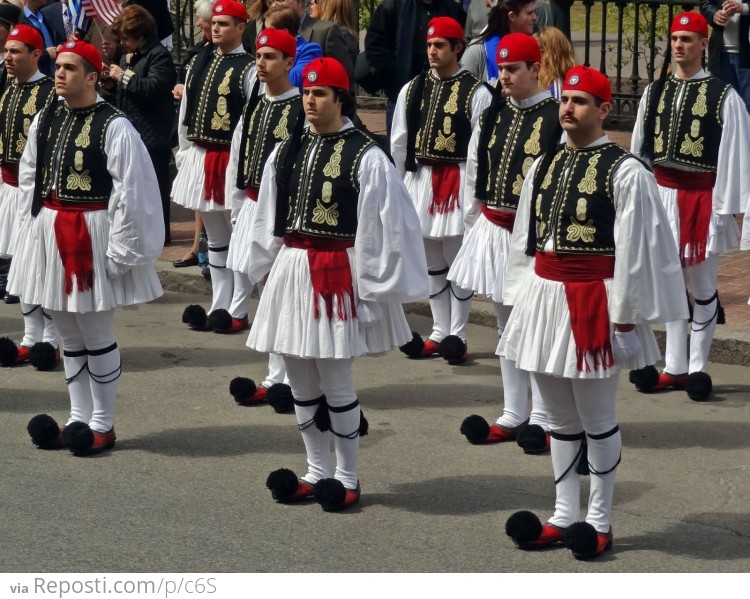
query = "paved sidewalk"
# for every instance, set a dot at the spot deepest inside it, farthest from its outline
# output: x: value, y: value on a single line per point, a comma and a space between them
x: 733, y: 282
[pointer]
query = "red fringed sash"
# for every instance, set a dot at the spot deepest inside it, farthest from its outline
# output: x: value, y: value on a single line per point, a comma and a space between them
x: 214, y: 171
x: 252, y: 193
x: 501, y: 219
x: 10, y: 173
x: 583, y: 277
x: 330, y: 272
x: 446, y: 185
x: 694, y: 202
x: 74, y: 241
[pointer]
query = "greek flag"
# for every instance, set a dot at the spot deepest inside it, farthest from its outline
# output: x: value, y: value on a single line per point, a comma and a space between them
x: 77, y: 16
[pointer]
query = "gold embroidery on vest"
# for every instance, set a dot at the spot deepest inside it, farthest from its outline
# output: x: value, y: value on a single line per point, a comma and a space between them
x: 540, y: 224
x: 691, y: 147
x: 83, y: 140
x: 326, y: 214
x: 333, y: 168
x: 418, y: 141
x: 451, y: 107
x: 79, y: 180
x: 547, y: 181
x: 494, y: 137
x: 224, y: 85
x: 532, y: 144
x: 699, y: 108
x: 21, y: 143
x: 517, y: 185
x: 1, y: 146
x: 527, y: 162
x: 220, y: 119
x: 446, y: 141
x: 280, y: 132
x: 581, y: 230
x: 659, y: 143
x: 588, y: 183
x: 660, y: 106
x: 30, y: 106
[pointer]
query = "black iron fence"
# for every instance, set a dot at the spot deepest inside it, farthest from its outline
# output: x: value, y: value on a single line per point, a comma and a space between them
x: 625, y: 39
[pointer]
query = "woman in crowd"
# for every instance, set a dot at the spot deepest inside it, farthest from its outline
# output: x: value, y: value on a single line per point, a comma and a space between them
x: 558, y: 57
x: 507, y: 16
x: 340, y: 13
x: 145, y: 78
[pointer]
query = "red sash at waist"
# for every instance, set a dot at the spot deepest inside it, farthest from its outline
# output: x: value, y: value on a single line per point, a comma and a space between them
x: 573, y: 268
x: 74, y: 241
x: 677, y: 179
x: 252, y: 193
x: 215, y: 167
x: 694, y: 204
x: 501, y: 219
x: 583, y: 279
x: 446, y: 185
x: 10, y: 173
x: 330, y: 272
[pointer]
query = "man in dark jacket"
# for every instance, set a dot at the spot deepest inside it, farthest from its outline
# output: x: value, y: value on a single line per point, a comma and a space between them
x: 394, y: 45
x: 728, y: 46
x: 145, y: 79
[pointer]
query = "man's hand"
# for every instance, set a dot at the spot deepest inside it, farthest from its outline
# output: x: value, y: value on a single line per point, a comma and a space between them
x: 720, y: 18
x: 730, y: 8
x: 52, y: 52
x: 178, y: 91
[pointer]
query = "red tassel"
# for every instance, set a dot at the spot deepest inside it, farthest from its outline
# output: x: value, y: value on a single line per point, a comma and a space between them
x: 214, y: 174
x: 446, y: 185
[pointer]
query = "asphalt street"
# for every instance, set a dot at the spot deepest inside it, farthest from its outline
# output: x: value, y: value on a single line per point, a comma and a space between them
x: 183, y: 491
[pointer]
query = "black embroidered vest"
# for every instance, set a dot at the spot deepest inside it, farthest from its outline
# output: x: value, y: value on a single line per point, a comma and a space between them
x: 690, y: 134
x: 18, y: 105
x: 520, y: 136
x: 573, y: 200
x: 221, y: 98
x: 323, y: 197
x: 269, y: 124
x: 74, y: 158
x: 445, y: 117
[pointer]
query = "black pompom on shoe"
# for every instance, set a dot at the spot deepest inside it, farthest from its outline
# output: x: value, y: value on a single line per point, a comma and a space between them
x: 475, y: 429
x: 195, y: 317
x: 698, y: 386
x: 453, y: 350
x: 282, y: 483
x: 533, y: 439
x: 220, y: 321
x: 644, y: 379
x: 413, y: 348
x: 43, y: 356
x: 8, y: 352
x: 585, y: 542
x: 333, y: 496
x: 44, y: 432
x: 242, y: 389
x: 523, y: 527
x: 279, y: 397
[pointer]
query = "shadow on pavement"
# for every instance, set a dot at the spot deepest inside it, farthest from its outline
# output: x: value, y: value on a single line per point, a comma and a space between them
x: 684, y: 434
x: 35, y: 401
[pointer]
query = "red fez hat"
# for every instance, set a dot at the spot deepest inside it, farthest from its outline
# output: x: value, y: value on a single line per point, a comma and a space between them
x: 278, y: 39
x: 27, y: 35
x: 230, y: 8
x: 690, y: 21
x: 86, y: 51
x: 517, y: 47
x: 325, y: 72
x: 586, y: 79
x: 444, y: 27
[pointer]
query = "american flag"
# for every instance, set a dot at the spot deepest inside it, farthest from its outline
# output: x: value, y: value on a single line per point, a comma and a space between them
x: 106, y: 10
